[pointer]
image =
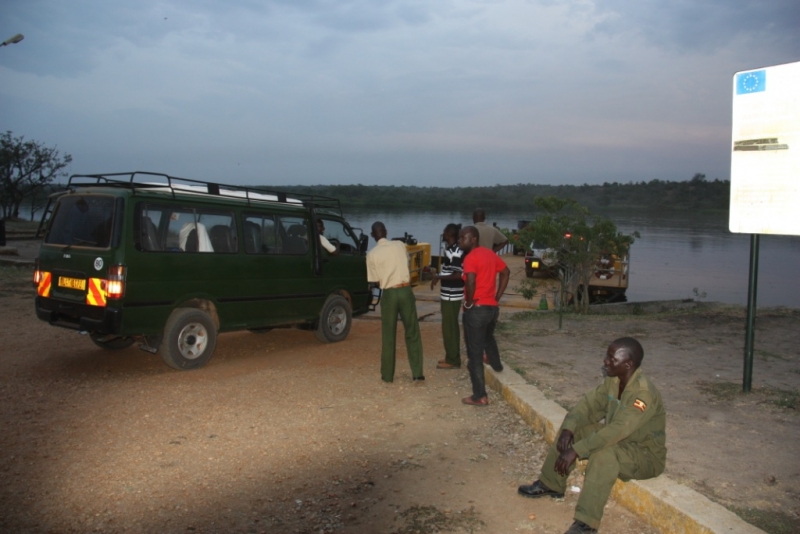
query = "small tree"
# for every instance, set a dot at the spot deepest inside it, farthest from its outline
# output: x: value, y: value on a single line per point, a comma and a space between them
x: 576, y: 239
x: 25, y: 168
x: 37, y: 200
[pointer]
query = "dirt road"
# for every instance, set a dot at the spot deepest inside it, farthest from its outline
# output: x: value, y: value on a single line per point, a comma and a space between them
x: 278, y: 434
x: 281, y: 434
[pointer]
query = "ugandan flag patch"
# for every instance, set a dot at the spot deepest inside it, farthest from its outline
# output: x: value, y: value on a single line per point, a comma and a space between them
x: 640, y: 405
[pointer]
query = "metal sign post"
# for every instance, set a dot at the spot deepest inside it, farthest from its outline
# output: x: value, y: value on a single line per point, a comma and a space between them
x: 752, y: 289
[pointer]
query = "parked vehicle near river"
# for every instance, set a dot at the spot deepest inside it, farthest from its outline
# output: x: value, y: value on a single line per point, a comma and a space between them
x: 540, y: 260
x: 171, y: 262
x: 608, y: 282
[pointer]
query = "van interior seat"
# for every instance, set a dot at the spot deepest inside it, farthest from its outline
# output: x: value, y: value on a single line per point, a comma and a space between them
x: 150, y: 235
x: 296, y: 242
x: 194, y: 238
x: 297, y: 230
x: 222, y: 238
x: 252, y: 237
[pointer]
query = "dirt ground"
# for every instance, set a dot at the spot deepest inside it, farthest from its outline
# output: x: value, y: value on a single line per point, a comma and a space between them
x: 282, y: 434
x: 737, y: 449
x: 278, y: 434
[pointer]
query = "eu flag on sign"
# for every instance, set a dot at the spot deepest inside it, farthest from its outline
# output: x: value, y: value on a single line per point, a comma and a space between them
x: 751, y: 82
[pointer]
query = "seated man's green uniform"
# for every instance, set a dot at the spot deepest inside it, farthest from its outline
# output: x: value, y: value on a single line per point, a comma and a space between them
x: 629, y: 444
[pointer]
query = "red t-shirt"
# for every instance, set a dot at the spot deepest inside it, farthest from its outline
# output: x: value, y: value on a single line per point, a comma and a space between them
x: 485, y: 264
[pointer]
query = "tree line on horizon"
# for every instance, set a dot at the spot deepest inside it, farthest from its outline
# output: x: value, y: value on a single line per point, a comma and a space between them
x: 29, y: 171
x: 696, y: 194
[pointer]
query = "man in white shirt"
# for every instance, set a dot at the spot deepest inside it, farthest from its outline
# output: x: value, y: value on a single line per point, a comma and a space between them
x: 327, y: 245
x: 387, y: 265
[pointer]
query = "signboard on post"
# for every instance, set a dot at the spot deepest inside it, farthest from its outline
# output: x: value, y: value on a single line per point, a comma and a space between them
x: 765, y: 169
x: 765, y: 156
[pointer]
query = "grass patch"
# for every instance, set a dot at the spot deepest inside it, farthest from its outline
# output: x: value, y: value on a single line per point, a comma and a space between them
x: 788, y: 399
x: 766, y: 355
x: 770, y: 521
x: 16, y: 281
x: 721, y: 391
x: 19, y: 225
x: 530, y: 316
x: 519, y: 370
x: 13, y: 274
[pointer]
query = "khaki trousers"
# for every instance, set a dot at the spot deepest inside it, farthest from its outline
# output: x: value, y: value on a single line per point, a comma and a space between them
x: 626, y: 461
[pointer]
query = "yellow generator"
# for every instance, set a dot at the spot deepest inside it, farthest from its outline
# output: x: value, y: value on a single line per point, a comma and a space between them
x: 419, y: 256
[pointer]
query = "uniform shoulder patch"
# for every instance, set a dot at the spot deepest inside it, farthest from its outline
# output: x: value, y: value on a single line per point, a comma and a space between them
x: 640, y: 405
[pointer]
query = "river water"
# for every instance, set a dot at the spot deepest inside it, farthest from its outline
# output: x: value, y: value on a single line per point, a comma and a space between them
x: 675, y: 255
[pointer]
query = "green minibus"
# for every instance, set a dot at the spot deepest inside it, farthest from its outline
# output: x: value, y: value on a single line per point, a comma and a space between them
x: 169, y: 263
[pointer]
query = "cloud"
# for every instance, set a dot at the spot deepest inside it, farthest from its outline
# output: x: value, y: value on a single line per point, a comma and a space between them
x: 705, y: 25
x: 388, y: 90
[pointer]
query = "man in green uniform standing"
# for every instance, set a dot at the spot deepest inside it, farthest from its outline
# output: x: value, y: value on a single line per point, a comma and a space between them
x: 631, y: 444
x: 387, y: 266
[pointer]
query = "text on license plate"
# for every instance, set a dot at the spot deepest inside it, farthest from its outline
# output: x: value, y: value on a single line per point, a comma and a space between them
x: 535, y: 264
x: 72, y: 283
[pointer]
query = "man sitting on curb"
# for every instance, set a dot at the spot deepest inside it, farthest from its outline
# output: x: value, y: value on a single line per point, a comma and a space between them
x: 631, y: 444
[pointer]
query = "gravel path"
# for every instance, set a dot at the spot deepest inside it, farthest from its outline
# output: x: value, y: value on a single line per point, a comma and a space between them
x: 278, y: 434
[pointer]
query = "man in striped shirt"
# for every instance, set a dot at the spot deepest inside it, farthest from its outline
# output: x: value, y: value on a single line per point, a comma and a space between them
x: 450, y: 297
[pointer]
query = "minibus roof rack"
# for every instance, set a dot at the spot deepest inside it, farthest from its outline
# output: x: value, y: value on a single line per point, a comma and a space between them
x: 143, y: 180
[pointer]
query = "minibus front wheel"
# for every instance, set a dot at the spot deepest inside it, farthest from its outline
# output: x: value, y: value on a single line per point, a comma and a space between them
x: 334, y: 319
x: 189, y: 339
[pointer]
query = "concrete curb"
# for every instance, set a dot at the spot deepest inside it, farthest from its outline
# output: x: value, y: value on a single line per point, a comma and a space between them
x: 662, y: 502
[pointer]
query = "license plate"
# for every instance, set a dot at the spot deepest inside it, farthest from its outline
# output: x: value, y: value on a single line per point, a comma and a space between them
x: 72, y: 283
x: 535, y: 264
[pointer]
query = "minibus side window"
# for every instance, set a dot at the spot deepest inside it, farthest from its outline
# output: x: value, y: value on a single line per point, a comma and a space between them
x: 201, y: 231
x: 221, y: 232
x: 294, y: 234
x: 149, y: 224
x: 260, y: 236
x: 335, y: 230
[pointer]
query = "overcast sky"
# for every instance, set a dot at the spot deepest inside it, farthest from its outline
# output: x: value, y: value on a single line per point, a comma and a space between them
x: 433, y: 92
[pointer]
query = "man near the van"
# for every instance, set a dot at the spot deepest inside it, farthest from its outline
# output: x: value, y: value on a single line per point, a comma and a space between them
x: 630, y: 444
x: 490, y: 237
x: 327, y: 245
x: 387, y: 265
x: 485, y: 279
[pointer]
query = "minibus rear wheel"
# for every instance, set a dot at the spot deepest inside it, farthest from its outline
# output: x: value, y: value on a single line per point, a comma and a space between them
x: 189, y: 339
x: 335, y: 320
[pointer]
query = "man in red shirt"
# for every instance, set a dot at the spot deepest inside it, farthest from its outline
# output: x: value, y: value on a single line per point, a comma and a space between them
x: 482, y: 291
